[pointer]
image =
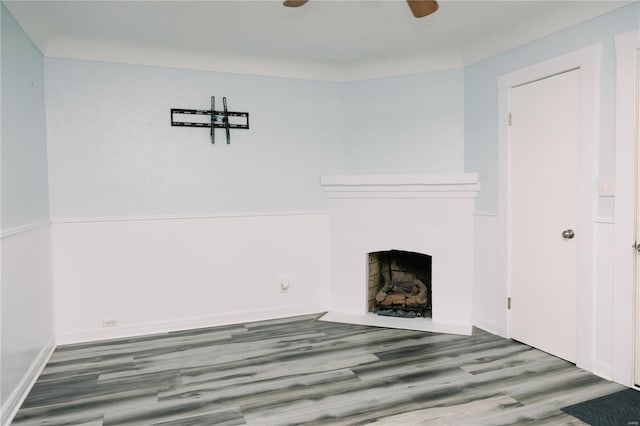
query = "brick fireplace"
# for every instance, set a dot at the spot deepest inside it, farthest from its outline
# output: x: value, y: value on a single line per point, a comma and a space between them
x: 430, y: 215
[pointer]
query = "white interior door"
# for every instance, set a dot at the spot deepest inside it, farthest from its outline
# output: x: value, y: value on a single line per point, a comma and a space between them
x: 543, y: 189
x: 637, y: 261
x: 637, y: 278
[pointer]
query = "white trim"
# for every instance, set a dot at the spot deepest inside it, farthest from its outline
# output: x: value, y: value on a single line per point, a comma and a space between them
x: 156, y: 327
x: 399, y: 180
x: 485, y: 324
x: 602, y: 369
x: 294, y: 69
x: 21, y: 391
x: 25, y: 228
x: 463, y: 185
x: 84, y: 50
x: 588, y: 61
x: 400, y: 67
x: 606, y: 220
x: 187, y: 217
x: 485, y: 213
x: 624, y: 236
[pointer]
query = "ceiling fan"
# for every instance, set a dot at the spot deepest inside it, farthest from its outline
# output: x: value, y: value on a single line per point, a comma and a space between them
x: 420, y: 8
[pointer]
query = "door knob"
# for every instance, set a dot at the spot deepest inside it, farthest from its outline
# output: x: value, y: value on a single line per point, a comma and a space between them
x: 568, y: 234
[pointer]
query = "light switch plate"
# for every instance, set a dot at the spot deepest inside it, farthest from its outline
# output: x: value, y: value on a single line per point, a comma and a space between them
x: 606, y: 187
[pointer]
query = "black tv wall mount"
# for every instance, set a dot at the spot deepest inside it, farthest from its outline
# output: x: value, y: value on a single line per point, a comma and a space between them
x: 218, y: 119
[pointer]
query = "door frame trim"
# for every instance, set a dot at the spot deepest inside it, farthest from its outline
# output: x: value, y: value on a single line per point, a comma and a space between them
x: 587, y: 60
x: 627, y: 62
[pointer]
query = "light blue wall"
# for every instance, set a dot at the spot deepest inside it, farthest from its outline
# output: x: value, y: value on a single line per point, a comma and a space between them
x: 481, y: 103
x: 25, y: 198
x: 109, y: 132
x: 25, y: 285
x: 113, y: 152
x: 408, y: 124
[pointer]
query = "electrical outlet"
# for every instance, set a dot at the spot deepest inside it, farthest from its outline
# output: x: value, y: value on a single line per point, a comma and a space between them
x: 109, y: 323
x: 284, y: 285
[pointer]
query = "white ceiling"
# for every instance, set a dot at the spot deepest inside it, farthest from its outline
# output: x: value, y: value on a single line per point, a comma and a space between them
x: 325, y: 39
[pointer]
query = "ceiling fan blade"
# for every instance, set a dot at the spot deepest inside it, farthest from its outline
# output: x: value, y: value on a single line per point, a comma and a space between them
x: 294, y: 3
x: 421, y: 8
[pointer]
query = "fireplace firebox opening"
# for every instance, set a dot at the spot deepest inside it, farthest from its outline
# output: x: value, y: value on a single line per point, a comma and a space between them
x: 399, y: 284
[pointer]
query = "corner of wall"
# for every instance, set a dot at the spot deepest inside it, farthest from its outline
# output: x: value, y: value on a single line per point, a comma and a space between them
x: 11, y: 406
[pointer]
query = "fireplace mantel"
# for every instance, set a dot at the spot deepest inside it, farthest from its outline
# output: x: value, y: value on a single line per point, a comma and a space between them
x: 429, y: 214
x: 401, y: 186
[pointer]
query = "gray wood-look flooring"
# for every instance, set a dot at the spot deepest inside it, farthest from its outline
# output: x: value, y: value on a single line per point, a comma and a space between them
x: 303, y: 371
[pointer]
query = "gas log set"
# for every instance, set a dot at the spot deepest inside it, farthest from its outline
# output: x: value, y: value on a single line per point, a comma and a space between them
x: 400, y: 284
x: 402, y: 299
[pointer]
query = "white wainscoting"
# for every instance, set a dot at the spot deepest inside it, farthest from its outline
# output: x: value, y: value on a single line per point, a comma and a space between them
x: 603, y: 298
x: 488, y: 299
x: 627, y: 61
x: 154, y: 275
x: 27, y: 312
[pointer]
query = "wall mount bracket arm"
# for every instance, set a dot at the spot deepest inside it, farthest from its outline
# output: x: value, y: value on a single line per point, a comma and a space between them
x: 224, y: 119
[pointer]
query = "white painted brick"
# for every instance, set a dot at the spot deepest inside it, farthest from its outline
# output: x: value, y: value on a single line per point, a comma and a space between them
x: 434, y: 217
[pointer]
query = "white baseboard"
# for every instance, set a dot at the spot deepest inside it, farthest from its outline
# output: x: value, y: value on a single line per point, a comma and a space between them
x: 602, y: 369
x: 18, y: 396
x: 485, y: 324
x: 214, y: 320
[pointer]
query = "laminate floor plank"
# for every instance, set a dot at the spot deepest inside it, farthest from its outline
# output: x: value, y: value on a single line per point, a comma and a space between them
x: 231, y: 417
x: 295, y: 371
